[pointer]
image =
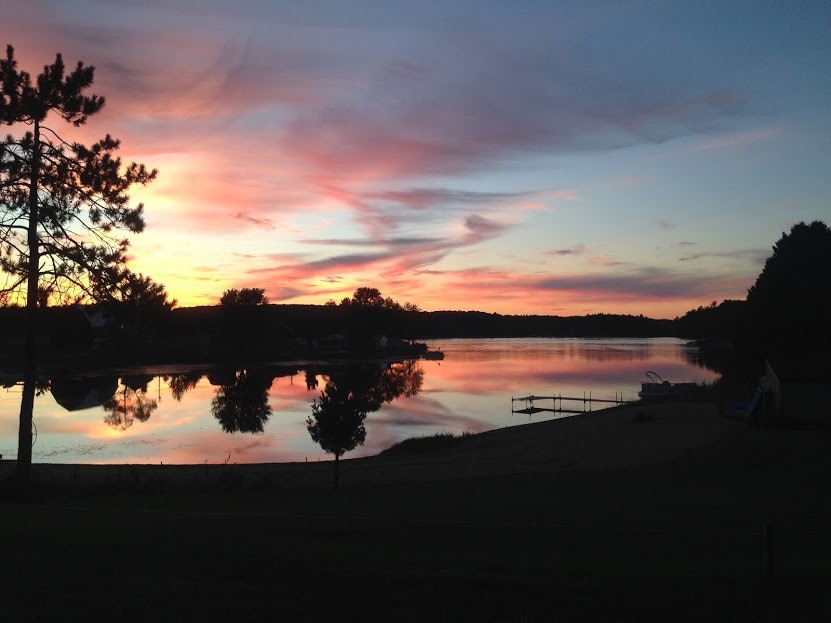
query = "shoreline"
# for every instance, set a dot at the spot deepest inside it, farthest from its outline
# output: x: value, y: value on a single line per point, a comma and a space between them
x: 631, y: 435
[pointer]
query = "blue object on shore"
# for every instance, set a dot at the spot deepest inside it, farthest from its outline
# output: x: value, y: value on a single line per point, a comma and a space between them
x: 749, y: 411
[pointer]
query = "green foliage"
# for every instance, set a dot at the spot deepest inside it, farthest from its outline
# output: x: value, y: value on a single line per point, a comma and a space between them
x: 244, y: 297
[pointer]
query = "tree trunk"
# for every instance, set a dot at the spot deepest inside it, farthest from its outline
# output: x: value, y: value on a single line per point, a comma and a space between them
x: 27, y: 402
x: 337, y: 465
x: 24, y: 439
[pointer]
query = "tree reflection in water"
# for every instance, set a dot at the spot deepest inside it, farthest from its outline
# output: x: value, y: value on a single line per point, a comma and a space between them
x: 130, y: 403
x: 351, y: 392
x: 311, y: 377
x: 402, y: 378
x: 242, y: 406
x: 182, y: 383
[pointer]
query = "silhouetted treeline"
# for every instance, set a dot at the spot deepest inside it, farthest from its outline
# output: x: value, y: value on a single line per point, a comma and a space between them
x: 785, y: 313
x: 789, y: 305
x: 715, y: 321
x: 274, y: 322
x: 248, y: 329
x: 446, y: 324
x: 274, y: 330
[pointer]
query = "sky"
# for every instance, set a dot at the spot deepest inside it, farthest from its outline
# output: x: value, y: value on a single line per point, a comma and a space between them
x: 523, y: 157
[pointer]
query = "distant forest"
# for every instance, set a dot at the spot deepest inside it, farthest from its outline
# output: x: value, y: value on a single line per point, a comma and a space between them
x: 785, y: 314
x: 70, y: 326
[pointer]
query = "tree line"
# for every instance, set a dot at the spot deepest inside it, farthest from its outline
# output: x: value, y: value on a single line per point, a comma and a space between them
x: 786, y: 309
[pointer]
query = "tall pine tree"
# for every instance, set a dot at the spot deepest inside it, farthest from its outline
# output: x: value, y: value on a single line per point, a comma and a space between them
x: 64, y: 206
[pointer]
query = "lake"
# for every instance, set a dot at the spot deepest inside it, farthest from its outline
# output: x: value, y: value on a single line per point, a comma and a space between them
x: 190, y: 415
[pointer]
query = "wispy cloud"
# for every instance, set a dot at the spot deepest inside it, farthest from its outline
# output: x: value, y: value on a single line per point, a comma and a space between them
x: 736, y: 139
x: 578, y: 249
x: 756, y: 256
x: 605, y: 260
x: 480, y: 228
x: 263, y: 223
x: 424, y: 198
x: 373, y: 242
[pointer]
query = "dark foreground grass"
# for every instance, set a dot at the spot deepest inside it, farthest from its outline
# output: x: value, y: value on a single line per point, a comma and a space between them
x: 677, y: 542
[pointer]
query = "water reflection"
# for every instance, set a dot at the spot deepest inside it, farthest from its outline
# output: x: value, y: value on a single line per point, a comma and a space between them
x: 74, y: 394
x: 556, y: 349
x: 712, y: 356
x: 242, y: 406
x: 132, y: 402
x: 132, y: 419
x: 182, y: 383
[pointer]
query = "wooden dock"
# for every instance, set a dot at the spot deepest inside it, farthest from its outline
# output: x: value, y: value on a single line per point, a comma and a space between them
x: 557, y: 403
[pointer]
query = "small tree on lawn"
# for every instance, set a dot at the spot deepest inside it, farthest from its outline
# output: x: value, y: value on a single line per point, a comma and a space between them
x: 352, y: 392
x: 337, y: 421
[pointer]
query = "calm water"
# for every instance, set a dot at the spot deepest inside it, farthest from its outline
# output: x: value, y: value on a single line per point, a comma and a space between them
x: 203, y: 415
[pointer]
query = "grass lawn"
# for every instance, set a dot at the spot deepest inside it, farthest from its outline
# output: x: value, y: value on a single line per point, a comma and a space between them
x: 679, y: 541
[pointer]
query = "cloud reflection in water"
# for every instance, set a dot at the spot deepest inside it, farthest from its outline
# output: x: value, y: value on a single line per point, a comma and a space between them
x: 470, y: 390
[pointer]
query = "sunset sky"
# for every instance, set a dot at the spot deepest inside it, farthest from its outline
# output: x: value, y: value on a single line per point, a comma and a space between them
x: 513, y: 157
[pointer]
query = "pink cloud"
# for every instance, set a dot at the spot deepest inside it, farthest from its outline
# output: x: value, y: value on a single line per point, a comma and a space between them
x: 307, y: 114
x: 736, y: 139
